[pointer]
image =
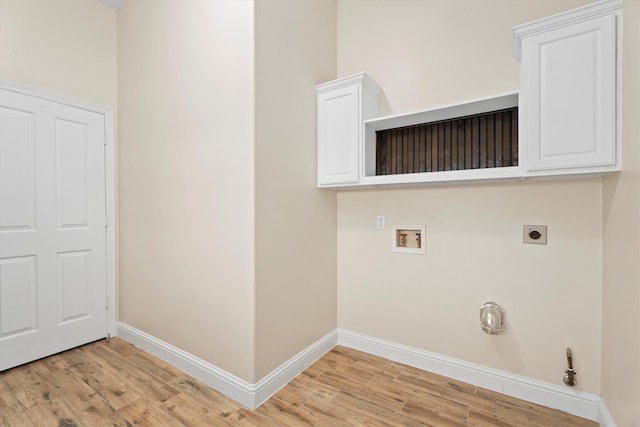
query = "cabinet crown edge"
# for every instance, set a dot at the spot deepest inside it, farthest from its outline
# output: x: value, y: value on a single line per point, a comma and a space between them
x: 358, y: 78
x: 590, y: 11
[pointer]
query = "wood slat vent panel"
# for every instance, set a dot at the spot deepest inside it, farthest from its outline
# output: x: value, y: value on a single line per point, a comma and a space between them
x: 487, y: 140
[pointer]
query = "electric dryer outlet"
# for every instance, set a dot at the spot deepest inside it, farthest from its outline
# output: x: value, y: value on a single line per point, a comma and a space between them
x: 535, y: 234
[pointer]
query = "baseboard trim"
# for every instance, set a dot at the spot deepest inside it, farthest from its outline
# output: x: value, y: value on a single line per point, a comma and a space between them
x: 216, y: 378
x: 281, y: 376
x: 605, y: 419
x: 243, y: 392
x: 582, y: 404
x: 574, y: 402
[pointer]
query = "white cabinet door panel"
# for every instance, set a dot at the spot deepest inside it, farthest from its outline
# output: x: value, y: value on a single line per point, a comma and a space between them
x: 569, y: 109
x: 343, y: 104
x: 338, y: 130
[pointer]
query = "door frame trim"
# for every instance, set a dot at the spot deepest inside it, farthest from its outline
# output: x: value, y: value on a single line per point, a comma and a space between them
x: 110, y: 186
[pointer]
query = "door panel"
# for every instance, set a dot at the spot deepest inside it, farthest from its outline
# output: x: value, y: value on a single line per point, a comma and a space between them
x: 74, y: 285
x: 52, y: 228
x: 17, y: 169
x: 17, y: 296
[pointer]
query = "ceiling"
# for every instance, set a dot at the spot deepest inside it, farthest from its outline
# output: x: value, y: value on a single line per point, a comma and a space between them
x: 113, y: 3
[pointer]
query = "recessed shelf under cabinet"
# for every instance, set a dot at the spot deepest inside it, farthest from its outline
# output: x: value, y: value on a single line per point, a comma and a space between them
x: 485, y: 140
x: 435, y: 115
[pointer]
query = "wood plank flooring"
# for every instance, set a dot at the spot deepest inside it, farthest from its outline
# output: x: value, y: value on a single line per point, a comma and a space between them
x: 112, y: 383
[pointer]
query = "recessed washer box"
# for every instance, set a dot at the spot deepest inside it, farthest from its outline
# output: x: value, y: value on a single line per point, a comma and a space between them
x: 408, y: 239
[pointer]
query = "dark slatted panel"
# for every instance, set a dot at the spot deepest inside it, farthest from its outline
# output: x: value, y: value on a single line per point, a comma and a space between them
x: 475, y: 142
x: 488, y: 140
x: 514, y: 137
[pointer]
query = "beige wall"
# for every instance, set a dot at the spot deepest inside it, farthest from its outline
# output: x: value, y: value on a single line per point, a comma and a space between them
x: 621, y: 219
x: 186, y: 176
x: 295, y: 222
x: 426, y: 53
x: 67, y: 47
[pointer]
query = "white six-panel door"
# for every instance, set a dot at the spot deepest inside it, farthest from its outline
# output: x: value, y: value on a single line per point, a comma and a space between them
x: 52, y: 228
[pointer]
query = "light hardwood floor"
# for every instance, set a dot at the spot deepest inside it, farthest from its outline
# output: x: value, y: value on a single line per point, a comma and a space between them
x: 112, y: 383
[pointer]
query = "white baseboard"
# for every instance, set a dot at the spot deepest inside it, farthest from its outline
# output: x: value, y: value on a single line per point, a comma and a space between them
x: 280, y: 377
x: 245, y: 393
x: 605, y: 419
x: 574, y: 402
x: 250, y: 395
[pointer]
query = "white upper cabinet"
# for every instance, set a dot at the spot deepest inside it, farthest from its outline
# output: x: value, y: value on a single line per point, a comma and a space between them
x: 570, y: 91
x: 342, y: 106
x: 565, y: 120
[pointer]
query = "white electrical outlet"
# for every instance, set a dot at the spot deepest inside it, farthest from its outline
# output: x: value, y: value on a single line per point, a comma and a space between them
x: 536, y: 234
x: 380, y: 222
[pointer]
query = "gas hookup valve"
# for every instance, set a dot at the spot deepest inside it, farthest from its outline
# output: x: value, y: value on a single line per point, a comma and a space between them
x: 570, y: 377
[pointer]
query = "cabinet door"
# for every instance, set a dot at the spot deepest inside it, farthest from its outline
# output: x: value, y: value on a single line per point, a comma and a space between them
x: 568, y: 105
x: 338, y: 136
